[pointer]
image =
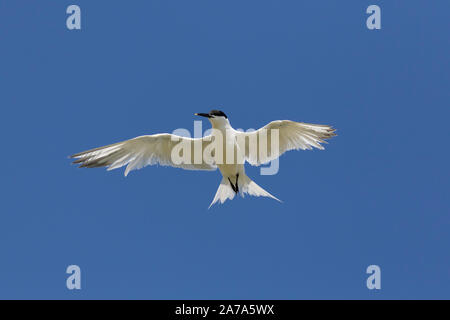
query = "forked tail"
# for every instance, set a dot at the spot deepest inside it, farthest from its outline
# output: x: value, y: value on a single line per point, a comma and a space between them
x: 246, y: 185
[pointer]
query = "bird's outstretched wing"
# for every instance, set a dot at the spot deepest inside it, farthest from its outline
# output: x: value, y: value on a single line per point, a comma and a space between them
x: 291, y: 136
x: 143, y: 151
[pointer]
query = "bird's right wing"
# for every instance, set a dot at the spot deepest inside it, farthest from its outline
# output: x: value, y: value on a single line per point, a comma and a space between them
x: 147, y: 150
x: 291, y: 136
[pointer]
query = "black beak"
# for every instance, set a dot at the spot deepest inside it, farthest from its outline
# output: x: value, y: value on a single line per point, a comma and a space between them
x: 206, y: 115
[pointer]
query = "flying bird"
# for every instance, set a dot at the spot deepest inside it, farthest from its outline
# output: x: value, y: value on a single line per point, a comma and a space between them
x: 164, y: 149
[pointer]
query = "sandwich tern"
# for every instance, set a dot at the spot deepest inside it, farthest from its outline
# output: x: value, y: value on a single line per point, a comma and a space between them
x: 225, y: 148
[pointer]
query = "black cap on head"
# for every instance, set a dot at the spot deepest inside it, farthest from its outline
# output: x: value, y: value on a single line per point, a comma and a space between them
x: 218, y: 113
x: 212, y: 114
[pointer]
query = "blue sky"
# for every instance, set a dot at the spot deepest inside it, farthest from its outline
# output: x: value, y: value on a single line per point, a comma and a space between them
x: 377, y: 195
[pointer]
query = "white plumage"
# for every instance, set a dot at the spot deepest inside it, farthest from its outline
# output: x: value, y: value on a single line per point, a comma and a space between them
x: 137, y: 153
x: 147, y: 150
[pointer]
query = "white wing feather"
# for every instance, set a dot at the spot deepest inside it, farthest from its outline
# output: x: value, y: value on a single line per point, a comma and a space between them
x: 141, y: 151
x: 292, y: 136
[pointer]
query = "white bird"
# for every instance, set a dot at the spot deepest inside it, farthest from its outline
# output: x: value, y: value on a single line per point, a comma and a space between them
x: 159, y: 149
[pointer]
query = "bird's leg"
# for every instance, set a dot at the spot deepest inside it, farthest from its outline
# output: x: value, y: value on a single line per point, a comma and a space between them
x: 232, y: 185
x: 237, y: 186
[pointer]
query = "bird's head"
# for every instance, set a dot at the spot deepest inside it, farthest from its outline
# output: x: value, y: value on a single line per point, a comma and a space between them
x: 216, y: 117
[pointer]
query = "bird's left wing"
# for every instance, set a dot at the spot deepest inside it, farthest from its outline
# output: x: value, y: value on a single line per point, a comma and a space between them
x: 291, y: 136
x: 142, y: 151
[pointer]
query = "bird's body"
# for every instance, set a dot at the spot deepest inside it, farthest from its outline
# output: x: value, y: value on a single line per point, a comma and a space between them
x: 228, y: 170
x: 226, y: 149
